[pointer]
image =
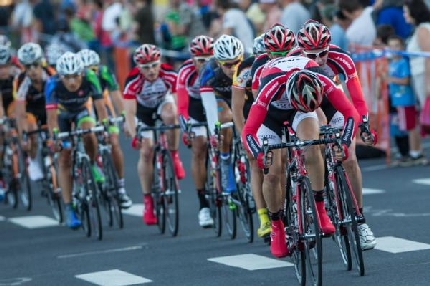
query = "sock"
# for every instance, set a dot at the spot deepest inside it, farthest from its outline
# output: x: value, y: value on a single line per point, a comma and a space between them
x: 68, y: 207
x: 275, y: 216
x: 202, y: 199
x: 174, y: 153
x: 319, y: 196
x: 225, y: 156
x: 414, y: 153
x: 121, y: 183
x: 263, y: 216
x: 147, y: 196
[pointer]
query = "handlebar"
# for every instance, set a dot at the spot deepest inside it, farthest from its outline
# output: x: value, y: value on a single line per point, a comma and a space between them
x: 365, y: 129
x: 79, y: 132
x: 141, y: 127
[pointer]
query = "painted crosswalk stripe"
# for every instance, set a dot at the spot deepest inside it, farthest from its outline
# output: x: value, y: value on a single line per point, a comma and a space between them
x: 34, y: 221
x: 398, y: 245
x: 424, y: 181
x: 2, y: 218
x: 371, y: 191
x: 134, y: 210
x: 113, y: 277
x: 250, y: 262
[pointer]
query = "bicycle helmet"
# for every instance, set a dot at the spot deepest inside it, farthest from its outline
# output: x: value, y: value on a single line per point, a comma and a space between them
x: 279, y: 39
x: 202, y: 46
x: 4, y: 41
x: 89, y: 57
x: 146, y: 53
x: 259, y: 47
x: 5, y: 55
x: 305, y: 90
x: 30, y: 53
x: 53, y: 52
x: 69, y: 63
x: 313, y: 35
x: 227, y: 48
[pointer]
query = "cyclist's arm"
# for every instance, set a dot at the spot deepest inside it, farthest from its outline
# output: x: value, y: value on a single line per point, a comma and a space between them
x: 20, y: 95
x: 132, y: 86
x: 211, y: 107
x: 51, y: 105
x: 237, y: 103
x: 183, y: 101
x: 2, y: 111
x: 97, y: 95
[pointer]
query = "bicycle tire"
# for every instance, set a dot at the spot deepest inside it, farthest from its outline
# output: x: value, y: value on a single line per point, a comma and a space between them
x: 115, y: 210
x: 171, y: 193
x: 310, y: 222
x: 353, y: 235
x: 335, y: 212
x: 157, y: 198
x: 212, y: 196
x: 92, y: 198
x: 229, y: 209
x: 23, y: 186
x: 84, y: 213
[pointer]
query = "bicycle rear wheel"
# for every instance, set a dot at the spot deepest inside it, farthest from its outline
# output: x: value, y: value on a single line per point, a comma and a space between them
x: 92, y: 198
x: 311, y: 232
x: 111, y: 190
x: 170, y: 194
x: 212, y: 195
x: 346, y: 197
x: 23, y: 186
x: 229, y: 212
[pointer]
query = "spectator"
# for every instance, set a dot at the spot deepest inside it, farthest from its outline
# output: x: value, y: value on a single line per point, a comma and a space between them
x: 390, y: 12
x: 254, y: 13
x: 338, y: 36
x: 272, y: 12
x: 111, y: 13
x: 45, y: 17
x: 402, y: 98
x: 23, y: 20
x: 80, y: 24
x: 294, y: 14
x: 144, y: 22
x: 235, y: 23
x: 64, y: 34
x: 362, y: 30
x: 383, y: 32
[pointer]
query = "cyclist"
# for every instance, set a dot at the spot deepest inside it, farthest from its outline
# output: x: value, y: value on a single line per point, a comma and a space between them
x: 66, y: 95
x: 314, y: 42
x: 215, y: 90
x: 53, y: 52
x: 290, y: 91
x: 242, y: 99
x: 109, y: 87
x: 191, y: 110
x: 149, y: 91
x: 30, y: 99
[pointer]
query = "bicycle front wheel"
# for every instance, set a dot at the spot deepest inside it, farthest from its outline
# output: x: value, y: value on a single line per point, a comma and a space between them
x: 23, y: 186
x: 111, y: 190
x: 170, y: 194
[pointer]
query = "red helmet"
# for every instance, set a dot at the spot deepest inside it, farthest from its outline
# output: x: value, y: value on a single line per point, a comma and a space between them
x: 305, y: 90
x: 146, y: 53
x: 313, y: 35
x: 202, y: 46
x: 279, y: 39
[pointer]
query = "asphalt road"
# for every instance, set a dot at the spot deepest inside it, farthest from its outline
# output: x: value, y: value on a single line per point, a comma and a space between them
x: 36, y: 251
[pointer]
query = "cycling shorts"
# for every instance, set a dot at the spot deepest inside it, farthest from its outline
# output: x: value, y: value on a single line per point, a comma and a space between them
x: 66, y: 119
x: 197, y: 115
x: 36, y: 116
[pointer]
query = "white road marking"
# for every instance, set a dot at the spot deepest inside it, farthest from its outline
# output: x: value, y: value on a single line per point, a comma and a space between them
x: 250, y: 262
x: 424, y: 181
x: 2, y: 218
x: 371, y: 191
x: 34, y: 221
x: 375, y: 168
x: 134, y: 210
x: 398, y: 245
x: 130, y: 248
x: 113, y: 277
x: 14, y: 281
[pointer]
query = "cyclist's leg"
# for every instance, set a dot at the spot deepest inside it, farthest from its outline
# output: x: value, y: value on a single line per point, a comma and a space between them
x: 64, y: 178
x: 169, y: 115
x: 34, y: 168
x: 306, y: 126
x: 145, y: 166
x: 227, y: 172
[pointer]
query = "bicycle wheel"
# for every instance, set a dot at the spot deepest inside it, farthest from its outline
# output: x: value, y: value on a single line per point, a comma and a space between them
x: 311, y: 232
x: 84, y: 213
x: 229, y: 212
x: 294, y: 239
x: 50, y: 188
x: 160, y: 210
x: 212, y: 195
x: 92, y: 198
x: 346, y: 197
x: 170, y: 194
x: 23, y: 186
x: 111, y: 190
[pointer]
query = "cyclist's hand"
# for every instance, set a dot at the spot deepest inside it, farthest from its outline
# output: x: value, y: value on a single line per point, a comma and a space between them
x: 370, y: 139
x: 186, y: 139
x: 341, y: 154
x: 135, y: 143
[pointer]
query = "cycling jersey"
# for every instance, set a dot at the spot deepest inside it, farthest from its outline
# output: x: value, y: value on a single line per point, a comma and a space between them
x: 57, y: 96
x: 188, y: 89
x: 256, y: 69
x: 242, y: 80
x: 272, y: 93
x: 340, y: 63
x: 108, y: 84
x: 150, y: 94
x: 8, y: 89
x: 213, y: 79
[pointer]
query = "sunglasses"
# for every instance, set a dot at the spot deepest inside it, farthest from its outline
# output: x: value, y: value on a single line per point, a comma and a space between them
x: 94, y: 68
x: 70, y: 76
x: 33, y: 65
x: 202, y: 60
x: 149, y: 66
x: 230, y: 64
x: 314, y: 55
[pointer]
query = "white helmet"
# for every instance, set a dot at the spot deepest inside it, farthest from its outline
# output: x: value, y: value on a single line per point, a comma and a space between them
x: 53, y: 52
x: 89, y: 57
x: 30, y: 53
x: 227, y: 48
x: 4, y: 41
x: 69, y: 63
x: 5, y: 55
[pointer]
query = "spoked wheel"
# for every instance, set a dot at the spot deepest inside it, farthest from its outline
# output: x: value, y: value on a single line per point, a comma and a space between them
x: 84, y: 213
x: 229, y: 212
x: 92, y: 199
x: 170, y: 194
x: 12, y: 193
x: 340, y: 237
x: 244, y: 213
x: 24, y: 187
x: 50, y: 188
x: 311, y: 231
x: 111, y: 191
x: 157, y: 198
x: 346, y: 198
x: 54, y: 201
